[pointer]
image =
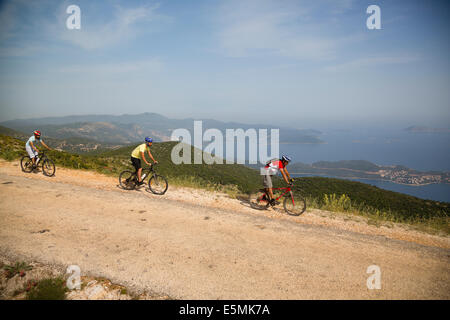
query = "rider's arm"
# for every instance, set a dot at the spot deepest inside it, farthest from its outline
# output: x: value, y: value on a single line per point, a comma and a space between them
x: 287, y: 173
x: 45, y: 145
x: 33, y: 147
x: 284, y: 175
x: 150, y: 154
x: 143, y: 158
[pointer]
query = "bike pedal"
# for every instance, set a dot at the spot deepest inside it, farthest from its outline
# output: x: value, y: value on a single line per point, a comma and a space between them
x: 274, y: 203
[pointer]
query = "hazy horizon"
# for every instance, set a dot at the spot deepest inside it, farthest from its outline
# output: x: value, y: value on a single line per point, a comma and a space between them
x: 275, y: 122
x: 306, y: 64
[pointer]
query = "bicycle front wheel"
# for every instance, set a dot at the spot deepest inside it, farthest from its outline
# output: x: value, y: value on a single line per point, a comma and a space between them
x: 48, y: 168
x: 158, y: 184
x: 26, y: 164
x: 127, y: 180
x: 258, y: 200
x: 294, y: 205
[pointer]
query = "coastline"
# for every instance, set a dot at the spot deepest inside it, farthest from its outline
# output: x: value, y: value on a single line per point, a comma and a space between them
x: 374, y: 178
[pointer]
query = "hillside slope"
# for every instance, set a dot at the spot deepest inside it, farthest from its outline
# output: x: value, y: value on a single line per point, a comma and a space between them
x: 358, y: 198
x: 69, y: 144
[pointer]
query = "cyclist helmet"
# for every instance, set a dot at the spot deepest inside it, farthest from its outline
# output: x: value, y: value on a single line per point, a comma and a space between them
x: 37, y: 133
x: 148, y: 139
x: 286, y: 158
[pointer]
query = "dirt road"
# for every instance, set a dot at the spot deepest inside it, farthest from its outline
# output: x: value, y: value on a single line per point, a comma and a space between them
x: 207, y: 246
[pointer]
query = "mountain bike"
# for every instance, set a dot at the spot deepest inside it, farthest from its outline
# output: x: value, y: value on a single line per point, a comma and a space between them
x: 157, y: 183
x: 294, y: 205
x: 47, y: 165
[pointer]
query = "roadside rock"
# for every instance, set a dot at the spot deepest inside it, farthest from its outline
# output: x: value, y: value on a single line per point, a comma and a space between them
x: 15, y: 288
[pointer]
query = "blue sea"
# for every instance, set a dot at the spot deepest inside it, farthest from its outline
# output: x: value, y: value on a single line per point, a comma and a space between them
x: 437, y: 192
x: 420, y: 151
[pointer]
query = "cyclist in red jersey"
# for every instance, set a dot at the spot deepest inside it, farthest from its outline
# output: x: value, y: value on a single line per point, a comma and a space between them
x: 272, y: 169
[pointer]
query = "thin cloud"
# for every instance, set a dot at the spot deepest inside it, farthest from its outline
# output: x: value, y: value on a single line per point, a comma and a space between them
x: 29, y: 27
x: 267, y: 27
x: 127, y: 23
x: 370, y: 62
x: 151, y: 65
x: 7, y: 13
x: 21, y: 51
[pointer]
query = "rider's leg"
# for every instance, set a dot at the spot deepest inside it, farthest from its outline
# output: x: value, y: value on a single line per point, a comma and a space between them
x: 272, y: 199
x: 35, y: 160
x: 267, y: 182
x: 32, y: 154
x: 270, y: 193
x: 137, y: 166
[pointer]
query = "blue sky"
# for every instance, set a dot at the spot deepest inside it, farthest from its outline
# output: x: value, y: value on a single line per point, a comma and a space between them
x: 302, y: 63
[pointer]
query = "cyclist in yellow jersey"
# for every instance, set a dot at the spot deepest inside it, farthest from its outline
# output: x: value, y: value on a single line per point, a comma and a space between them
x: 138, y: 153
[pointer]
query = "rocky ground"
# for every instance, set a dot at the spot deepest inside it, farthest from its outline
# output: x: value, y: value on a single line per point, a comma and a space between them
x: 16, y: 287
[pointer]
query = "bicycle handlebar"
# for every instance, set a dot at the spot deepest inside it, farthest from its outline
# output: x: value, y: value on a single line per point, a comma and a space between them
x: 149, y: 166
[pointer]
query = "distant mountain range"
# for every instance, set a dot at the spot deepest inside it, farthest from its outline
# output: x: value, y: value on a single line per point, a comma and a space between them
x: 96, y: 133
x: 126, y: 129
x: 422, y: 129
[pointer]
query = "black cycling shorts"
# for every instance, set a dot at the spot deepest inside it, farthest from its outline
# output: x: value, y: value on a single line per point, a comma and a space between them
x: 136, y: 163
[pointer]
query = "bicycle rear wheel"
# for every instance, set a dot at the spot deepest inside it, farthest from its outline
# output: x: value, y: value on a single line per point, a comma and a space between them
x: 158, y: 184
x: 48, y: 167
x: 258, y: 200
x: 127, y: 180
x: 26, y: 164
x: 294, y: 205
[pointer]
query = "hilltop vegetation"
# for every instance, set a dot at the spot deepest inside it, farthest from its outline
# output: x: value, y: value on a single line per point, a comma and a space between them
x: 235, y: 176
x: 69, y: 144
x: 326, y: 193
x: 216, y: 176
x: 373, y: 201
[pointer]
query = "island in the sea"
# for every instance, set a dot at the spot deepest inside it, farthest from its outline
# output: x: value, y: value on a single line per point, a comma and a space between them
x: 361, y: 169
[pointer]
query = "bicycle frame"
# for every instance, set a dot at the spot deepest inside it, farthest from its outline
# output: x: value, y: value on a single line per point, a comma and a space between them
x: 260, y: 199
x: 42, y: 156
x: 287, y: 190
x: 147, y: 171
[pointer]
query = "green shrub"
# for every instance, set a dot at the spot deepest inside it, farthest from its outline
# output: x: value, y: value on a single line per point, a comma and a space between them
x: 16, y: 268
x: 335, y: 203
x: 48, y: 289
